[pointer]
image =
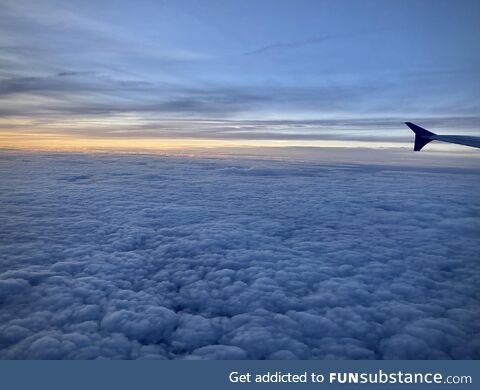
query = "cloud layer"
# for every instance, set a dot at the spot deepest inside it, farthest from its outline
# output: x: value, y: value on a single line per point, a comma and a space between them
x: 121, y: 257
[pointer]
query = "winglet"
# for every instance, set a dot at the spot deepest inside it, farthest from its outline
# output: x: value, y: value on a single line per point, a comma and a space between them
x: 422, y: 136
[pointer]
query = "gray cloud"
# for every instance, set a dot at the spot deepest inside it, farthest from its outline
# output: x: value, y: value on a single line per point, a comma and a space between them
x: 70, y: 84
x: 164, y: 110
x: 205, y: 112
x: 111, y: 256
x: 293, y: 44
x: 73, y: 73
x: 287, y: 45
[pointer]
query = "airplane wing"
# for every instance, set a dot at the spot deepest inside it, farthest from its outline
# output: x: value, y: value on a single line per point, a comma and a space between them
x: 423, y: 137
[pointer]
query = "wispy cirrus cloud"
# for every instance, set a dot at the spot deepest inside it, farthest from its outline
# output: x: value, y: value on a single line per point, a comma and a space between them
x: 287, y: 45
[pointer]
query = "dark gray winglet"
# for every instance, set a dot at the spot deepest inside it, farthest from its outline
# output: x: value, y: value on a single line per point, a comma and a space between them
x: 422, y: 136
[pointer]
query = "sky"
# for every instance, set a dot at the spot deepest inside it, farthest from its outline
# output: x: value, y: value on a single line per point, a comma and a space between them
x: 170, y: 73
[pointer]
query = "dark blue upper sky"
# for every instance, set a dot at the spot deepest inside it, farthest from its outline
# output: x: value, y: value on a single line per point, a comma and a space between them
x: 295, y: 70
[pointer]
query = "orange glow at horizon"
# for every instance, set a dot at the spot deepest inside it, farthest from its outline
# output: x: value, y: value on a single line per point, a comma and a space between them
x: 64, y: 142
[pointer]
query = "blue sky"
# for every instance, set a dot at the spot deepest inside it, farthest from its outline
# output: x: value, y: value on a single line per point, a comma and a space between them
x: 238, y: 70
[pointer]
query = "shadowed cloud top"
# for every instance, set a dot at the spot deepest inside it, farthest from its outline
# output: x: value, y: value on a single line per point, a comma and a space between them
x: 108, y: 256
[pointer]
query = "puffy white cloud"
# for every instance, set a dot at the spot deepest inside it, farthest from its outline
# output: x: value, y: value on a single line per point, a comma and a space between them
x: 107, y: 256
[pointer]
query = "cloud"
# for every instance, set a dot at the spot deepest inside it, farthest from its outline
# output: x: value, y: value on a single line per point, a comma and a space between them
x: 68, y: 84
x: 75, y: 103
x: 93, y: 104
x: 129, y: 257
x: 287, y: 45
x: 73, y: 73
x: 293, y: 44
